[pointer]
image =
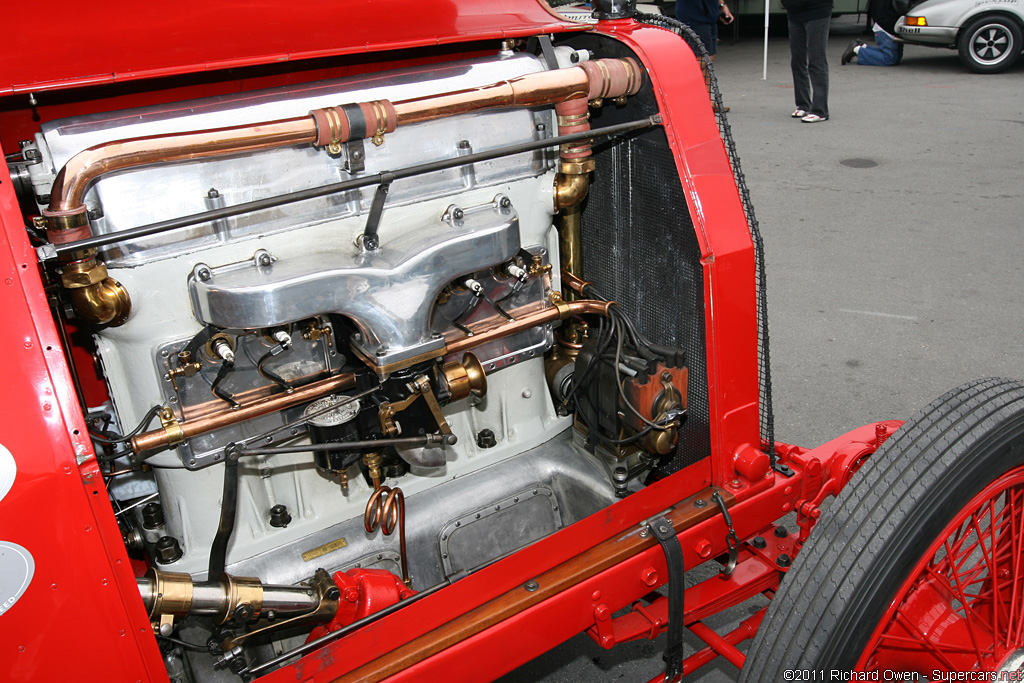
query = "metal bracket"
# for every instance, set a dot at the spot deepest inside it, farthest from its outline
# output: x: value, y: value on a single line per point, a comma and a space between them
x: 548, y: 50
x: 355, y: 156
x: 47, y: 252
x: 369, y: 240
x: 731, y: 540
x: 666, y: 535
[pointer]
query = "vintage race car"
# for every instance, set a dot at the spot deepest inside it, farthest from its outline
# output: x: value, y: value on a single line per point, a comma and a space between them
x: 406, y: 340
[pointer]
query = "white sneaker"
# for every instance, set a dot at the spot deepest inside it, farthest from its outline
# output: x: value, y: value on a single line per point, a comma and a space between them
x: 799, y: 114
x: 813, y: 118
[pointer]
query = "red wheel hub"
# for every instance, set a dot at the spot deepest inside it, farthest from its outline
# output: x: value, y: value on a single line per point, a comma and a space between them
x: 962, y: 606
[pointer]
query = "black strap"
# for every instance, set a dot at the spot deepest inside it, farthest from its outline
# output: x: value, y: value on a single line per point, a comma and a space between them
x: 228, y: 507
x: 666, y: 536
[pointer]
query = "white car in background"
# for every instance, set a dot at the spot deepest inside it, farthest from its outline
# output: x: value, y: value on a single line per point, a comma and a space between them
x: 987, y: 33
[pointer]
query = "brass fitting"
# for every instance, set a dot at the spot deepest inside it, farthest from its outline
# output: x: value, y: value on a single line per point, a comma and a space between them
x: 372, y: 462
x: 572, y: 181
x: 465, y: 378
x: 105, y: 302
x: 96, y: 297
x: 171, y: 427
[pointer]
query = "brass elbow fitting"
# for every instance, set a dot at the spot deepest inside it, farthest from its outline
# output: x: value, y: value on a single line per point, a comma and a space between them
x: 572, y: 182
x: 95, y: 297
x: 103, y: 303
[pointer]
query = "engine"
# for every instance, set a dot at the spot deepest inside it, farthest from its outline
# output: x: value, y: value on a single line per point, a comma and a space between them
x: 349, y: 349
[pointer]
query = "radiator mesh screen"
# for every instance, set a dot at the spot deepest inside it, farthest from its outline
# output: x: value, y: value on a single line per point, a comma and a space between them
x: 639, y: 248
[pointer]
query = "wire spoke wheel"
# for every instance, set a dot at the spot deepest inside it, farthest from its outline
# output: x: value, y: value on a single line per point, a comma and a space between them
x: 962, y: 606
x: 919, y: 565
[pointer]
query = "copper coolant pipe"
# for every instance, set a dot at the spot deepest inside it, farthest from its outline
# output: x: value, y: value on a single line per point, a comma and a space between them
x: 162, y: 438
x: 72, y: 180
x: 545, y: 315
x: 594, y: 79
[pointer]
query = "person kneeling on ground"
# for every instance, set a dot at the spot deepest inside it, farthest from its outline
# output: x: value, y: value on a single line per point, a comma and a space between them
x: 886, y: 52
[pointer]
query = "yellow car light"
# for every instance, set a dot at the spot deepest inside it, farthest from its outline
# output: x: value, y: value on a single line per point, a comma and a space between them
x: 917, y: 21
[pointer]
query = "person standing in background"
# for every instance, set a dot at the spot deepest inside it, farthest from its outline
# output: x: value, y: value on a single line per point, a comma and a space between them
x: 808, y: 40
x: 702, y: 16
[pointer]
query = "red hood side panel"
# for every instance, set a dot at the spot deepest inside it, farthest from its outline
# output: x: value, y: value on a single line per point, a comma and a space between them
x: 63, y: 44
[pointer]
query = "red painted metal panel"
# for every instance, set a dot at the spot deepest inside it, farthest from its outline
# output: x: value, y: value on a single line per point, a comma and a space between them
x: 59, y: 513
x: 64, y: 44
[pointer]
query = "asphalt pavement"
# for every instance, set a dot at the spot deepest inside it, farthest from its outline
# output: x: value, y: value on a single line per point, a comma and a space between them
x: 894, y: 238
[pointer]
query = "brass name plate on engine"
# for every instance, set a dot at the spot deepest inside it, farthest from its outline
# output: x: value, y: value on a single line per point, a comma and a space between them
x: 324, y: 549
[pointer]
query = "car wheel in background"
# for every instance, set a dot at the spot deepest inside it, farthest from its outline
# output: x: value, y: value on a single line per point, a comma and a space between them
x: 990, y: 44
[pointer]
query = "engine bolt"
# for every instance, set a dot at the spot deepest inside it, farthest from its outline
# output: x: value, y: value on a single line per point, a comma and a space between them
x: 279, y: 516
x: 167, y: 550
x: 759, y: 542
x: 781, y: 531
x: 486, y: 439
x: 152, y: 516
x: 784, y: 561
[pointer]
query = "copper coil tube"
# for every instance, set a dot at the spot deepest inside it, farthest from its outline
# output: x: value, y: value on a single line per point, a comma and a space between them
x: 161, y: 438
x: 385, y: 510
x: 604, y: 77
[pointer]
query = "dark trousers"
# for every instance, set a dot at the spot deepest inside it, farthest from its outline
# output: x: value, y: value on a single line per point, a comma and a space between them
x: 807, y: 43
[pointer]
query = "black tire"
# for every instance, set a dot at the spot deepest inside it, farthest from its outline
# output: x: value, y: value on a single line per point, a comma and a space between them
x: 881, y: 524
x: 989, y: 45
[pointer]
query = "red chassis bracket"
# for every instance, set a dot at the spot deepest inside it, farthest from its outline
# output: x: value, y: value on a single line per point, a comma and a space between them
x: 516, y: 638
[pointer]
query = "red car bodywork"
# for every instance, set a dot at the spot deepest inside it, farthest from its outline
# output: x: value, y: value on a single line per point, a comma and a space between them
x: 81, y: 618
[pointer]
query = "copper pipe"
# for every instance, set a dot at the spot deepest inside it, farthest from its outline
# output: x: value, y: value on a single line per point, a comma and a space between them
x: 72, y: 180
x: 576, y: 284
x: 385, y: 510
x: 161, y: 438
x: 546, y: 315
x: 531, y: 90
x: 598, y: 78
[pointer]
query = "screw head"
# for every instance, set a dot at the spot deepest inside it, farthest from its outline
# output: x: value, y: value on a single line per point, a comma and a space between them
x: 531, y: 586
x: 204, y: 274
